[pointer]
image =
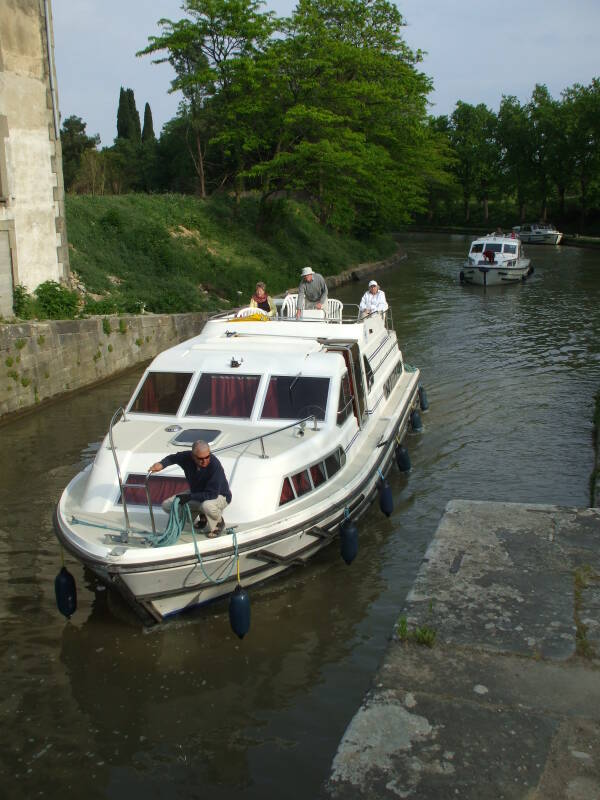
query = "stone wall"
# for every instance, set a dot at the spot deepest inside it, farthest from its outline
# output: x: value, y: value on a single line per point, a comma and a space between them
x: 42, y: 360
x: 33, y: 241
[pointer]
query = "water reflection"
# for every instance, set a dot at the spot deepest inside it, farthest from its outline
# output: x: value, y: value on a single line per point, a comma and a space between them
x: 97, y: 706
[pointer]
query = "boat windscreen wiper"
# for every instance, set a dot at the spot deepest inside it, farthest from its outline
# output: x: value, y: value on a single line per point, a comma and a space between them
x: 291, y: 388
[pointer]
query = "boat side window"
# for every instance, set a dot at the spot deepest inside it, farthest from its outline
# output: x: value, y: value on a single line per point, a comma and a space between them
x: 335, y: 462
x: 306, y: 480
x: 510, y: 248
x: 161, y: 392
x: 223, y: 395
x: 477, y: 248
x: 295, y: 397
x: 369, y: 374
x: 287, y: 493
x: 392, y: 379
x: 345, y: 400
x: 317, y: 473
x: 301, y: 483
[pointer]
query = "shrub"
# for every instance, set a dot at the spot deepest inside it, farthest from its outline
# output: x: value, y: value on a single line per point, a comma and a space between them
x: 22, y: 302
x: 55, y: 301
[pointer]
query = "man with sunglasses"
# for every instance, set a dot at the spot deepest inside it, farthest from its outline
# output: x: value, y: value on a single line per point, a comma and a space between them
x: 209, y: 490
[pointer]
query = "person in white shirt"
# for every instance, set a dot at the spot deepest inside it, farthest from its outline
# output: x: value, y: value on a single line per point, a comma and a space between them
x: 373, y: 300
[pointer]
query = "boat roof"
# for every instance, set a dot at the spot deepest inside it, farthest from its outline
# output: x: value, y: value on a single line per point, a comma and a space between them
x: 254, y: 347
x: 496, y: 237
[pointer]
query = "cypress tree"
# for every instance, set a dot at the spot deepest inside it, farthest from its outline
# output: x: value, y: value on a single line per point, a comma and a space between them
x: 136, y: 128
x: 148, y: 129
x: 124, y: 123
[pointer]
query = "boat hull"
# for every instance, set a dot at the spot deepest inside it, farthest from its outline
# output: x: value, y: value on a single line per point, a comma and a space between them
x: 541, y: 238
x: 495, y: 275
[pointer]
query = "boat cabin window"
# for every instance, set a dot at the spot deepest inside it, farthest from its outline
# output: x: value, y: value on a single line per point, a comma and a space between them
x: 295, y: 397
x: 161, y: 392
x: 477, y: 248
x: 392, y: 379
x: 301, y: 483
x: 494, y: 247
x: 510, y: 248
x: 306, y: 480
x: 369, y: 374
x: 345, y: 400
x: 225, y: 395
x: 317, y: 473
x: 334, y: 462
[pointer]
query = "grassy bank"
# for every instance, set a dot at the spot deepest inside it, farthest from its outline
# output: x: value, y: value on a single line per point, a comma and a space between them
x: 173, y: 253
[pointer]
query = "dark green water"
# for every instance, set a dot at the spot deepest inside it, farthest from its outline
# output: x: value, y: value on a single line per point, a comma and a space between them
x: 97, y: 708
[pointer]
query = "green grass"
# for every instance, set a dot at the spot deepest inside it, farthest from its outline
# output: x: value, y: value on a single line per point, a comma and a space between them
x: 172, y: 253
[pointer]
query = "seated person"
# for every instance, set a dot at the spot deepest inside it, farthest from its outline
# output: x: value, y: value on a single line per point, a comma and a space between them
x: 373, y: 300
x: 260, y: 299
x: 312, y: 292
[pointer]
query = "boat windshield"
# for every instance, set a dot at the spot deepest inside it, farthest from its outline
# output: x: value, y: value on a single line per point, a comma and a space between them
x: 227, y: 395
x: 494, y: 247
x: 510, y: 248
x: 295, y: 397
x: 477, y: 248
x: 161, y: 392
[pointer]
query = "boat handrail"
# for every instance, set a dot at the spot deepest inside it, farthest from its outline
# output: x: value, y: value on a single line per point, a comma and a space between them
x: 229, y: 315
x: 260, y: 436
x: 122, y: 486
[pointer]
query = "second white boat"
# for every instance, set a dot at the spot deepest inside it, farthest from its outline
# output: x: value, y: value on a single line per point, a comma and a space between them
x: 494, y: 260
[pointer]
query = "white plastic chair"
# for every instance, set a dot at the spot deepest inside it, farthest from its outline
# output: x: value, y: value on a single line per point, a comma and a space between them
x: 290, y: 305
x: 248, y: 311
x: 334, y: 309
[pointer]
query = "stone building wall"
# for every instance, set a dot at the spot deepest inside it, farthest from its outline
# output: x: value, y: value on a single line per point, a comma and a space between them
x: 33, y: 241
x: 42, y: 360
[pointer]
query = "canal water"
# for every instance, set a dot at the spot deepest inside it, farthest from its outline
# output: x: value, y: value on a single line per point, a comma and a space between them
x: 97, y: 708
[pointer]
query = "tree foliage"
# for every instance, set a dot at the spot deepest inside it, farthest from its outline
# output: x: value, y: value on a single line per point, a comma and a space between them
x: 75, y: 145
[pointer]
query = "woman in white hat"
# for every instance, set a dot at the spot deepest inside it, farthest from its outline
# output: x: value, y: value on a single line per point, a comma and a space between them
x: 373, y: 300
x: 312, y: 292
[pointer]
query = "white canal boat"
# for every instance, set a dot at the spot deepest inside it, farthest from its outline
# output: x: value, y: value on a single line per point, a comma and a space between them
x: 304, y: 415
x: 538, y: 233
x: 496, y: 259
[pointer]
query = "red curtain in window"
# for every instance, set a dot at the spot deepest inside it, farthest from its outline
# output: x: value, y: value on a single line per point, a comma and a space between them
x: 149, y: 399
x: 316, y: 473
x: 301, y: 483
x: 232, y: 396
x: 271, y: 406
x: 160, y: 489
x: 286, y: 492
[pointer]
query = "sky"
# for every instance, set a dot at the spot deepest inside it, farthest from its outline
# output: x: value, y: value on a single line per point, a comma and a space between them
x: 476, y: 51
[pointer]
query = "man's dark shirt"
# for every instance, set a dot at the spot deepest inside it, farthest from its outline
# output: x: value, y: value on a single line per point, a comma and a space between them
x: 206, y: 483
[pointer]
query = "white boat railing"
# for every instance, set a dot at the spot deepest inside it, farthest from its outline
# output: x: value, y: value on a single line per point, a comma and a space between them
x: 122, y: 486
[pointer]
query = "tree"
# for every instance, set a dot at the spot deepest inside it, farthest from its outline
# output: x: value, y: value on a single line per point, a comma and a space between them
x: 202, y: 50
x: 348, y: 114
x: 128, y: 118
x: 582, y: 115
x: 471, y: 130
x: 148, y: 129
x: 74, y: 142
x: 515, y: 139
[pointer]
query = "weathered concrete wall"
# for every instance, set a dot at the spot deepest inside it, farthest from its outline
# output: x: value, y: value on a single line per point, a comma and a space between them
x: 31, y: 183
x: 42, y: 360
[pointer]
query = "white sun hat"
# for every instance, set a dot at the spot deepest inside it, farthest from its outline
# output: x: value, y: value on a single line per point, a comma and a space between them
x: 307, y: 271
x: 373, y: 283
